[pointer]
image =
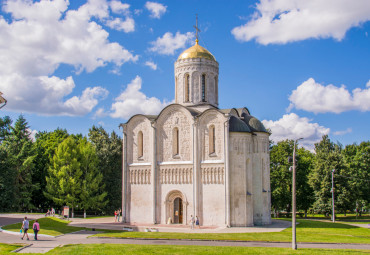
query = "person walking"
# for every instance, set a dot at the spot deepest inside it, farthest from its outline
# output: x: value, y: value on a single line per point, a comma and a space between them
x: 192, y: 221
x: 36, y: 228
x: 118, y: 214
x: 115, y: 216
x: 25, y: 227
x: 197, y: 222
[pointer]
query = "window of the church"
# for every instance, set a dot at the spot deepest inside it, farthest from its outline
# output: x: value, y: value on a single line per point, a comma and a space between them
x: 175, y: 141
x: 176, y: 89
x: 216, y: 88
x: 187, y: 78
x: 140, y: 149
x: 203, y: 87
x: 212, y: 140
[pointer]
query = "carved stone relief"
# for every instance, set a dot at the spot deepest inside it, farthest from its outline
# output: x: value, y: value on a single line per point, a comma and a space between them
x: 140, y: 175
x: 176, y: 174
x: 212, y: 174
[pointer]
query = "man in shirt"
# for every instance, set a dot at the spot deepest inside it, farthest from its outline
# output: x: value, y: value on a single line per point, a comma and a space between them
x: 25, y: 227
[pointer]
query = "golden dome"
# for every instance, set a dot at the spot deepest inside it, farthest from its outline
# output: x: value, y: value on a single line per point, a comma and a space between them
x: 196, y: 51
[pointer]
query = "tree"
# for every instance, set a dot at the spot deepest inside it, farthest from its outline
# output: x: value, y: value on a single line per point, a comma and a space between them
x: 357, y: 175
x: 305, y: 197
x: 328, y: 157
x: 18, y: 161
x: 64, y: 185
x: 281, y: 177
x: 109, y: 152
x: 92, y: 195
x: 45, y: 147
x: 5, y: 128
x: 7, y: 176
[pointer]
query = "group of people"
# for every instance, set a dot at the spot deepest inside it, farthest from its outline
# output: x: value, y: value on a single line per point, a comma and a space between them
x: 194, y: 221
x: 50, y: 212
x: 26, y: 225
x: 117, y: 214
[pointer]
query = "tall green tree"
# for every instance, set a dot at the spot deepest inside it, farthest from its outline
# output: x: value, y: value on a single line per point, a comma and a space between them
x: 357, y: 174
x: 281, y: 177
x: 18, y: 159
x: 92, y: 192
x: 64, y: 182
x: 328, y: 157
x: 45, y: 147
x: 305, y: 197
x: 5, y: 128
x: 7, y: 175
x: 109, y: 152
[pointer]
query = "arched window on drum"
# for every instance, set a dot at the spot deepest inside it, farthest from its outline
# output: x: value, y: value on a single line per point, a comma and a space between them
x: 204, y: 88
x: 187, y: 87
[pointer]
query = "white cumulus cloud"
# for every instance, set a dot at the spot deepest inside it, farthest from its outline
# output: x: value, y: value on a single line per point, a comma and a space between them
x: 314, y: 97
x: 283, y: 21
x: 127, y: 25
x: 40, y: 36
x: 343, y: 132
x: 291, y: 126
x: 132, y: 101
x: 119, y: 7
x: 151, y: 64
x: 156, y: 9
x: 32, y: 133
x: 169, y: 43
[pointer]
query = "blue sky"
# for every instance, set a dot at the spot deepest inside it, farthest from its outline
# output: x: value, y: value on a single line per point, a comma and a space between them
x: 301, y: 67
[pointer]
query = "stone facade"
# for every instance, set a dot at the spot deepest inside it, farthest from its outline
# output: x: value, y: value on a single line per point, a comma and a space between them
x: 195, y: 159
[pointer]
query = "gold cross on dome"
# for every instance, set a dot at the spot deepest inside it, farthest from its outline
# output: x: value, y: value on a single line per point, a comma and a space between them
x: 196, y: 29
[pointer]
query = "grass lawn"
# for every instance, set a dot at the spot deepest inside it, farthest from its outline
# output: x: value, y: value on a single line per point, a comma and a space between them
x: 7, y: 248
x: 175, y: 249
x: 48, y: 226
x: 307, y: 231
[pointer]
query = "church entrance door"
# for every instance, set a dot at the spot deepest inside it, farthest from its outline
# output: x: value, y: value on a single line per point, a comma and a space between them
x: 177, y: 211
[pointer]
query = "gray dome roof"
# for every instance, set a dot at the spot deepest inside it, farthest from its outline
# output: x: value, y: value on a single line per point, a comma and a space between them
x: 237, y: 125
x: 253, y: 123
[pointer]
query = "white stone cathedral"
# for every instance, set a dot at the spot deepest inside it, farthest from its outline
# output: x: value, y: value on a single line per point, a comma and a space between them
x: 194, y: 158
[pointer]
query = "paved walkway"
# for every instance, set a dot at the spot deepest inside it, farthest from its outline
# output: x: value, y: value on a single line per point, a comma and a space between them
x: 108, y: 223
x: 46, y: 244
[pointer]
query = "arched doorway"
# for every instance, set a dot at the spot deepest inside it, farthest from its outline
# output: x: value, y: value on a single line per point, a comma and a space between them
x: 176, y: 207
x: 178, y: 211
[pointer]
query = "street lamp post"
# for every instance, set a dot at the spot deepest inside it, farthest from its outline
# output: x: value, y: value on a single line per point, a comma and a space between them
x: 332, y: 193
x: 294, y: 241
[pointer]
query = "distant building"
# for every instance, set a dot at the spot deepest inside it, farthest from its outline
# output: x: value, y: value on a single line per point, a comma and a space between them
x: 194, y: 158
